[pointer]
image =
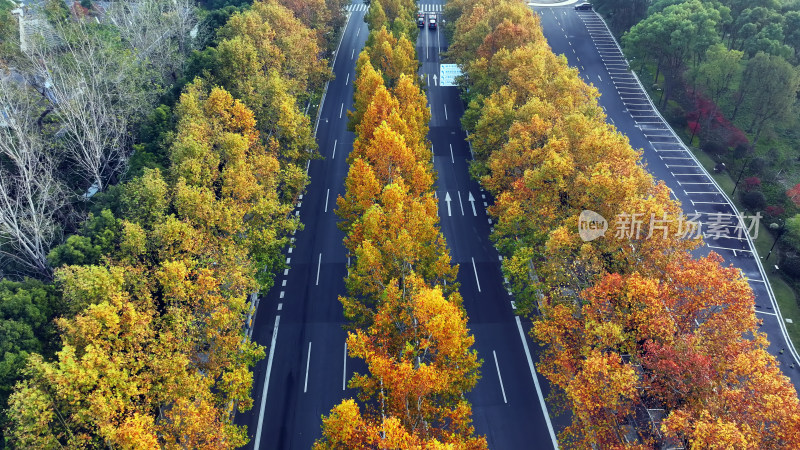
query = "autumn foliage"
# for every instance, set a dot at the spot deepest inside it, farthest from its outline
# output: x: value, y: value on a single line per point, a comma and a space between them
x: 405, y: 313
x: 155, y: 353
x: 160, y: 320
x: 647, y: 345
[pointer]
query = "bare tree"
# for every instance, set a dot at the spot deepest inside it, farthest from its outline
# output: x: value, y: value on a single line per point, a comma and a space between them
x: 97, y: 88
x: 162, y: 32
x: 31, y: 197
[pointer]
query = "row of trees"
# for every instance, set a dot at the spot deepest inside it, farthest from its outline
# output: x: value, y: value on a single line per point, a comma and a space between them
x: 644, y: 344
x: 406, y: 314
x: 702, y: 39
x: 153, y: 290
x: 730, y: 66
x: 153, y: 350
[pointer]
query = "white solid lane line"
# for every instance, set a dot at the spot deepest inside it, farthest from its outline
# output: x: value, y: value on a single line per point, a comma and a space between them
x: 344, y: 367
x: 499, y: 376
x: 319, y: 263
x: 476, y: 274
x: 333, y: 156
x: 341, y: 108
x: 536, y: 383
x: 452, y: 159
x: 459, y: 202
x: 308, y: 362
x: 353, y: 53
x: 445, y: 112
x: 266, y: 383
x: 327, y: 193
x: 348, y: 80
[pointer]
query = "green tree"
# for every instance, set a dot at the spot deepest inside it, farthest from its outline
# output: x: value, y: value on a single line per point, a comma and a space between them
x: 97, y: 238
x: 675, y: 38
x: 770, y: 85
x: 720, y: 71
x: 27, y: 310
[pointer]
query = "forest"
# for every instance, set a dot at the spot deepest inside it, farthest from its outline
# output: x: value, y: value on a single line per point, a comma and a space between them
x: 645, y: 346
x: 150, y: 160
x: 726, y: 74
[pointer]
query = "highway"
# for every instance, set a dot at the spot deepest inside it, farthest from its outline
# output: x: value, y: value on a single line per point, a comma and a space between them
x: 300, y: 319
x: 508, y: 407
x: 584, y: 39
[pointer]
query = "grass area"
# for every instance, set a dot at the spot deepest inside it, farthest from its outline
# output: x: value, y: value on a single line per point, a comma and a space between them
x: 784, y: 294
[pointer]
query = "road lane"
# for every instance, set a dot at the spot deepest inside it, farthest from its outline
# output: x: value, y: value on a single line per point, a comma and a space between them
x: 305, y: 384
x: 584, y: 40
x: 510, y: 417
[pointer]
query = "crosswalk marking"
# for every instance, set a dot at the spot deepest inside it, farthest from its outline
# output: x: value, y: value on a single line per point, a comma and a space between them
x: 424, y: 7
x: 357, y: 7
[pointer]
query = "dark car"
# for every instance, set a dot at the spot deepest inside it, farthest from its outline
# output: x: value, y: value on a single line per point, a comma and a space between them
x: 584, y: 7
x: 421, y: 20
x: 432, y: 23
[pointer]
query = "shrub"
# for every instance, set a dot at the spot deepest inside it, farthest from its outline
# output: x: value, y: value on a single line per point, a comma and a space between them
x: 754, y: 200
x: 751, y: 183
x: 676, y: 115
x: 774, y: 210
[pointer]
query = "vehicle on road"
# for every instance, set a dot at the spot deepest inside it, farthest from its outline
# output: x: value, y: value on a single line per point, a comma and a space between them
x: 584, y: 7
x: 432, y: 22
x: 421, y: 20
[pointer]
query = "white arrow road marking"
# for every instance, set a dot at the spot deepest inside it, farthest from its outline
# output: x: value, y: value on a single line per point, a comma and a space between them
x: 447, y: 199
x: 471, y: 199
x: 435, y: 83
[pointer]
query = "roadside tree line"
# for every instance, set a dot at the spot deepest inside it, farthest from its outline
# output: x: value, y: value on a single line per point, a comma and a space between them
x: 730, y: 76
x: 643, y: 343
x: 151, y: 295
x: 407, y: 321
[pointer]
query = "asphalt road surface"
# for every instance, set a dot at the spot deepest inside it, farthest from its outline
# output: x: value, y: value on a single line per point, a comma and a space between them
x: 300, y: 320
x: 584, y: 39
